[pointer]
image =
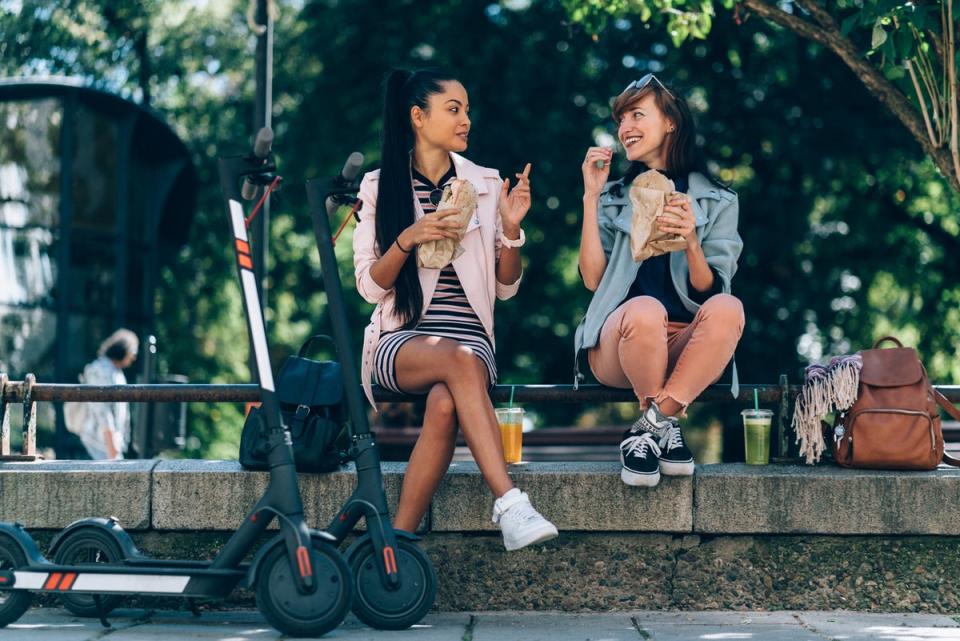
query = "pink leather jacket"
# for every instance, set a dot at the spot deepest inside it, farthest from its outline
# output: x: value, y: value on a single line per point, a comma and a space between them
x: 476, y: 267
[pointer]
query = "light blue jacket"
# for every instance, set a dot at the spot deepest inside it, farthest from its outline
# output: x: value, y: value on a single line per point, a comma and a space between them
x: 717, y: 213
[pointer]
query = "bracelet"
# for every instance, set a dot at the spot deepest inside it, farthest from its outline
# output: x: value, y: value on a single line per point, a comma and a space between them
x: 513, y: 244
x: 396, y: 241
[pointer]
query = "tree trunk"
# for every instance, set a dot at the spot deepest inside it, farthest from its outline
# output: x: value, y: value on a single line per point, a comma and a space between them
x: 826, y: 33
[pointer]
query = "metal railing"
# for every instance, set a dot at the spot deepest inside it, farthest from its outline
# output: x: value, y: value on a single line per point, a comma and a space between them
x: 28, y: 392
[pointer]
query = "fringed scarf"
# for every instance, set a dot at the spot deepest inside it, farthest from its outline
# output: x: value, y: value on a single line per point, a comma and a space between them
x: 825, y: 389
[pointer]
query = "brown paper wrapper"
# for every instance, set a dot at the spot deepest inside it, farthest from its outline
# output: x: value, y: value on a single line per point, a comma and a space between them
x: 437, y: 254
x: 648, y: 194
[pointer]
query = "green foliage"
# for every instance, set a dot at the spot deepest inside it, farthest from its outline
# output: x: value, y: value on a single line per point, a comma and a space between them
x: 682, y: 19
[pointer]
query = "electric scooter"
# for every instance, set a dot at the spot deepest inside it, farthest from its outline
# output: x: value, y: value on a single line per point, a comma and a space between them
x: 303, y: 584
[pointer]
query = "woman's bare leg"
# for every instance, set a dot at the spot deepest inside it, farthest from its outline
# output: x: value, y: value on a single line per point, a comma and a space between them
x: 430, y: 458
x: 427, y: 360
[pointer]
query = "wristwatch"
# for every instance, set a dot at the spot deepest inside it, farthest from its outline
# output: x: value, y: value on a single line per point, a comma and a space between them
x: 513, y: 244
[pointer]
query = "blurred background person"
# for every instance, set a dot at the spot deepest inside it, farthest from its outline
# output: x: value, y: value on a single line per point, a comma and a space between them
x: 104, y: 428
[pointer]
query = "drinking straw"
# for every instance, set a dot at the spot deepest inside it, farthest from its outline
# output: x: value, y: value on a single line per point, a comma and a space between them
x: 512, y: 388
x: 756, y: 401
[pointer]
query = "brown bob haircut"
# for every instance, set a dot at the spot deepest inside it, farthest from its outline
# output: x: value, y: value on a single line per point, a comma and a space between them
x: 683, y: 156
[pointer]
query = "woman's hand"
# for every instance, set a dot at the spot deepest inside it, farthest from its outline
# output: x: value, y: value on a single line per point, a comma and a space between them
x: 677, y: 218
x: 515, y: 204
x: 433, y: 226
x: 594, y: 177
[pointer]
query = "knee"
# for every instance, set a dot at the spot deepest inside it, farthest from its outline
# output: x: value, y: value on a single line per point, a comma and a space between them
x: 440, y: 404
x: 725, y: 310
x: 643, y: 315
x: 465, y: 365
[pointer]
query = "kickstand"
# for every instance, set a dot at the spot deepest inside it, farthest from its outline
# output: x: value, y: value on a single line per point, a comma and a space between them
x: 100, y: 612
x: 192, y: 606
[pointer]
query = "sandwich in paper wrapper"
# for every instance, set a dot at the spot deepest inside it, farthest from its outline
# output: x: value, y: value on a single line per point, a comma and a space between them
x: 648, y: 194
x: 437, y: 254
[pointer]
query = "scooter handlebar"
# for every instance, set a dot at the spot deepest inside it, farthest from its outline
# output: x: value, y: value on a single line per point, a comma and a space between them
x: 261, y: 149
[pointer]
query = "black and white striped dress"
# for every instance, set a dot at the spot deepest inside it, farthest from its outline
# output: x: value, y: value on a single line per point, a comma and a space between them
x: 449, y: 313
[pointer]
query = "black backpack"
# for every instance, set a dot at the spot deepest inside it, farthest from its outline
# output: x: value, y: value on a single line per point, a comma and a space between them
x: 312, y: 406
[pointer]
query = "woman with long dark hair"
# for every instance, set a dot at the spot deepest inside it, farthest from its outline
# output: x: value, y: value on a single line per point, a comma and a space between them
x: 666, y: 326
x: 432, y: 330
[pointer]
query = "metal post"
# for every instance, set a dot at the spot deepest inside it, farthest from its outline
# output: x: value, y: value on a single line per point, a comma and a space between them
x: 4, y: 420
x: 29, y: 448
x: 122, y: 241
x: 64, y: 271
x: 263, y: 107
x: 783, y: 423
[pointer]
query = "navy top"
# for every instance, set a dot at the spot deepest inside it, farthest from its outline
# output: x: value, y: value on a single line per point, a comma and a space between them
x: 653, y: 279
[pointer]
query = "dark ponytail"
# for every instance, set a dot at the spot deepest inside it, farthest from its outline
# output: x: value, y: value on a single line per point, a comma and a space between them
x: 402, y: 91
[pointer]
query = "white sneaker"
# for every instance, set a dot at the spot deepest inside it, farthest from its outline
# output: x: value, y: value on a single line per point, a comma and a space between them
x: 520, y: 524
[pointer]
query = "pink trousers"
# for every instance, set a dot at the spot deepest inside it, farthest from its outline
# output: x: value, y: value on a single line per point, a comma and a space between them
x: 640, y: 349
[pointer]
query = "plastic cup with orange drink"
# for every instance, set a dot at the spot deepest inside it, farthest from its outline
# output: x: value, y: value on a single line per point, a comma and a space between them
x: 510, y: 420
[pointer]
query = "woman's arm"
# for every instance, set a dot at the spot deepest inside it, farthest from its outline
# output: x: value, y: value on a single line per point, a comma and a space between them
x: 386, y: 269
x: 377, y: 271
x: 512, y: 207
x: 592, y: 259
x: 723, y: 243
x: 701, y: 276
x: 431, y: 227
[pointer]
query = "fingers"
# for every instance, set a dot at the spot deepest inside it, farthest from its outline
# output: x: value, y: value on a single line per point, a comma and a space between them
x: 430, y: 237
x: 681, y: 213
x: 672, y: 224
x: 437, y: 225
x: 506, y: 187
x: 597, y: 155
x: 440, y: 214
x: 526, y: 172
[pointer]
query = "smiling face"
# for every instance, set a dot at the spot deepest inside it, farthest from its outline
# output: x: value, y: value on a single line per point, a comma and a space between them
x: 645, y: 132
x: 445, y: 123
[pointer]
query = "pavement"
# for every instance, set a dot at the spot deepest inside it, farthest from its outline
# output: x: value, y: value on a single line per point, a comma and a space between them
x: 48, y: 624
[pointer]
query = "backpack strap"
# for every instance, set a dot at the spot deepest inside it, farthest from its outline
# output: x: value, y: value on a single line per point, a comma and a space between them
x: 952, y: 410
x: 892, y: 339
x: 306, y: 346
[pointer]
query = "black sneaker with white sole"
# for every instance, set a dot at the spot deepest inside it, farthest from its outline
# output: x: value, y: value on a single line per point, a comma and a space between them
x: 676, y: 459
x: 639, y: 457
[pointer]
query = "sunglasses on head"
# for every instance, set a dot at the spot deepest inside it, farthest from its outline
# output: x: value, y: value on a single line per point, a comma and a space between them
x: 646, y: 80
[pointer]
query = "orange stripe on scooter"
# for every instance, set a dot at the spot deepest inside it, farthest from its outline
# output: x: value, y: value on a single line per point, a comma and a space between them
x: 389, y: 560
x: 243, y: 247
x: 245, y: 261
x: 52, y: 581
x: 303, y: 561
x: 68, y: 580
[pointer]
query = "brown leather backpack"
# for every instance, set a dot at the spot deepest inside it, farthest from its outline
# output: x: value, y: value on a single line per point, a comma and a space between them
x: 894, y: 424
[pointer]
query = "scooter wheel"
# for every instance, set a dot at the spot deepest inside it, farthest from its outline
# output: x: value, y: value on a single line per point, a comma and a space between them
x: 305, y: 615
x: 12, y: 603
x: 88, y: 546
x: 393, y: 609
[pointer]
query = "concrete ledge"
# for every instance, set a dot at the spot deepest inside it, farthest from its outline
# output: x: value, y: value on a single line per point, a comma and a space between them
x: 683, y: 545
x: 745, y: 499
x: 53, y: 494
x: 218, y: 495
x: 575, y: 496
x: 578, y: 497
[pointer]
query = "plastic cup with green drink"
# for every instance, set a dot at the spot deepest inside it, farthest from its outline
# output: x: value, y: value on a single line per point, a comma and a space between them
x: 756, y: 435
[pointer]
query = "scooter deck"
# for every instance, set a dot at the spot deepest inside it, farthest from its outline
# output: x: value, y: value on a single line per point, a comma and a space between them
x: 124, y: 579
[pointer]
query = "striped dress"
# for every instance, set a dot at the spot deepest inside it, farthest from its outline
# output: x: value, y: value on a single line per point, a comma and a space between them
x: 449, y: 313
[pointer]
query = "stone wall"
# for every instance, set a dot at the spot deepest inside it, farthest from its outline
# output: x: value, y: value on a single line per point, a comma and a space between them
x: 731, y: 537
